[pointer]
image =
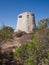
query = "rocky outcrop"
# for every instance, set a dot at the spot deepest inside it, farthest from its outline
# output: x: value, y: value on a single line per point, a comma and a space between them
x: 17, y: 41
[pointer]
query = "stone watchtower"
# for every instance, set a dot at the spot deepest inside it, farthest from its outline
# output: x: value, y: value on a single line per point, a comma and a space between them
x: 26, y: 22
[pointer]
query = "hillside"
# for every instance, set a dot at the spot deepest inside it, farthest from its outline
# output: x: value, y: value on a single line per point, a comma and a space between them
x: 36, y: 44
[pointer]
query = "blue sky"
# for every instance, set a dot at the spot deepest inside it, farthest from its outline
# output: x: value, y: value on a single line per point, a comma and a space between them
x: 9, y: 10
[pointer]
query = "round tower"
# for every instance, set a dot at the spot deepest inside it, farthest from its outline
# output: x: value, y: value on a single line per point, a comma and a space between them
x: 26, y: 22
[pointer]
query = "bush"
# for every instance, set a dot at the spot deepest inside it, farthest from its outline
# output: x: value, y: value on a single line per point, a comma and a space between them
x: 26, y: 53
x: 6, y: 33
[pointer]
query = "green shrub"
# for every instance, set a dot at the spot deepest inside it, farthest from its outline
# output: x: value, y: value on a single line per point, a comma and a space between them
x: 6, y: 33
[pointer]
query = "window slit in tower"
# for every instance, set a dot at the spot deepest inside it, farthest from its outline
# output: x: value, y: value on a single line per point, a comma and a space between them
x: 20, y: 16
x: 27, y: 16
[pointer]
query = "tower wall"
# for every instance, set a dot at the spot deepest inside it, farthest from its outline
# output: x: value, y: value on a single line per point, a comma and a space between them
x: 26, y: 22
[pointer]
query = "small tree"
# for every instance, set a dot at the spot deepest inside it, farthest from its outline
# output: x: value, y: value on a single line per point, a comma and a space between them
x: 44, y: 23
